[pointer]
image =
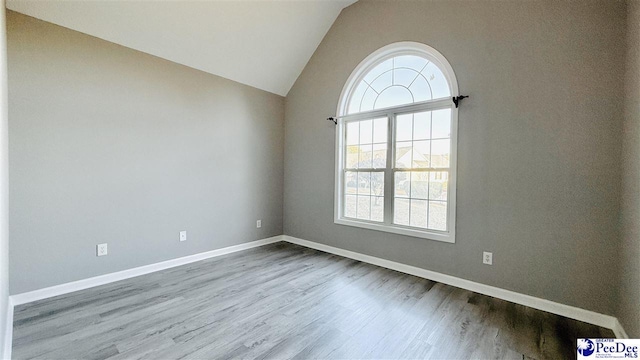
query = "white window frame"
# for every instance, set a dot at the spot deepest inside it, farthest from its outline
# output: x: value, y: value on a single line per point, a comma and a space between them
x: 377, y: 57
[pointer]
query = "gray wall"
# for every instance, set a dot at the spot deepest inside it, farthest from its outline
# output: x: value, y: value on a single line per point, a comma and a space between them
x: 108, y: 144
x: 628, y: 311
x: 4, y: 184
x: 538, y: 153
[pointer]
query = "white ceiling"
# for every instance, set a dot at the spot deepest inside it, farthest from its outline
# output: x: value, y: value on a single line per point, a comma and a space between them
x: 264, y: 44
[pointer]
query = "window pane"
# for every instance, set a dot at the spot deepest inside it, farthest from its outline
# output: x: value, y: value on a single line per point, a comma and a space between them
x: 364, y: 207
x: 409, y: 61
x: 356, y: 98
x: 382, y: 82
x: 351, y: 182
x: 404, y: 77
x: 350, y: 206
x: 379, y: 156
x: 353, y: 133
x: 420, y: 89
x: 352, y: 157
x: 421, y: 150
x: 440, y: 153
x: 438, y: 82
x: 419, y: 185
x: 377, y: 183
x: 402, y: 184
x: 414, y: 191
x: 365, y: 157
x: 419, y: 153
x: 422, y: 125
x: 438, y: 185
x: 377, y: 208
x: 364, y: 179
x: 403, y: 154
x: 366, y: 132
x: 368, y: 99
x: 414, y: 194
x: 438, y: 215
x: 393, y: 96
x: 401, y: 211
x: 441, y: 124
x: 404, y: 127
x: 418, y: 213
x: 380, y: 127
x: 364, y: 195
x: 359, y: 152
x: 378, y: 70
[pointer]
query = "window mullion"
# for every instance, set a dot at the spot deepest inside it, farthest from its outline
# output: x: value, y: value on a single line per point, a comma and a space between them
x: 343, y: 165
x: 388, y: 173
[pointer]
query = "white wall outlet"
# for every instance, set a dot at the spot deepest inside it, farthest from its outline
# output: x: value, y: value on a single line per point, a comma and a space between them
x: 183, y: 235
x: 487, y: 258
x: 101, y: 250
x: 259, y: 224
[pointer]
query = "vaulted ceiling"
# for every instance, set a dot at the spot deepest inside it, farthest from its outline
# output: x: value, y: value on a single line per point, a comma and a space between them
x: 264, y: 43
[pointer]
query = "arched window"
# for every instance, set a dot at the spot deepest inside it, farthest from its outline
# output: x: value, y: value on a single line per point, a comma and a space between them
x: 396, y: 144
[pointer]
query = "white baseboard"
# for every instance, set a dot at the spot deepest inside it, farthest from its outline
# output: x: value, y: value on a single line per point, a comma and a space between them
x: 591, y: 317
x: 572, y: 312
x: 66, y: 288
x: 8, y: 332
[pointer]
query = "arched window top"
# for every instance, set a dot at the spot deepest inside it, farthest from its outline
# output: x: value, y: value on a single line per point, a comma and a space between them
x: 398, y: 74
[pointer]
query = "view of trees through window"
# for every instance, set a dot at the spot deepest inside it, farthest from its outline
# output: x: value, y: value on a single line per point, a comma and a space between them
x: 422, y: 147
x: 366, y: 159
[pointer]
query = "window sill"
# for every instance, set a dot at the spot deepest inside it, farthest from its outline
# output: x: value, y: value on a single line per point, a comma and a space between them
x: 444, y: 237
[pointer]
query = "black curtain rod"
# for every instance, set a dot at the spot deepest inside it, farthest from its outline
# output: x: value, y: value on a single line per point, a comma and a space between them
x: 455, y: 99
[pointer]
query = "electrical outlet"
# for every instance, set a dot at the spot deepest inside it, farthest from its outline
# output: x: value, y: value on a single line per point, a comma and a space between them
x: 183, y: 235
x: 259, y: 224
x: 101, y: 250
x: 487, y: 258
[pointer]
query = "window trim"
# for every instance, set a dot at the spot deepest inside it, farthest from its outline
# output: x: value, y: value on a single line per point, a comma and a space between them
x: 377, y: 57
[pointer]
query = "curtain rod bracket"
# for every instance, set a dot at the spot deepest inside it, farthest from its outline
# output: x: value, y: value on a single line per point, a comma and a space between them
x: 335, y: 120
x: 456, y: 99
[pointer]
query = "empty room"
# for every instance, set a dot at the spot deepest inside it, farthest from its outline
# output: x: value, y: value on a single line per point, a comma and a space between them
x: 319, y: 179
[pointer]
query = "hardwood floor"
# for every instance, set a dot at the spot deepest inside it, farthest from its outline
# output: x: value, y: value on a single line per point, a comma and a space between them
x: 285, y: 301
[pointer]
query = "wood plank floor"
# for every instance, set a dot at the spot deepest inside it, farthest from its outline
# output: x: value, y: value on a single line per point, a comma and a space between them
x: 284, y: 301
